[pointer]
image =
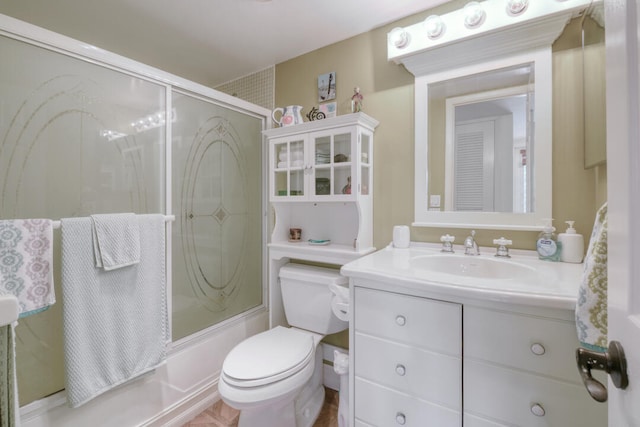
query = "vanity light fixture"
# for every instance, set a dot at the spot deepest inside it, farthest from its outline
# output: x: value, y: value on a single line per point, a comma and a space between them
x: 516, y: 7
x: 434, y: 26
x: 399, y: 37
x: 474, y: 14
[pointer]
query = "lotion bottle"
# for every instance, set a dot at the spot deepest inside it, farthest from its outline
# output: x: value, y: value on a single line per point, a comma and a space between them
x: 548, y: 246
x: 572, y: 245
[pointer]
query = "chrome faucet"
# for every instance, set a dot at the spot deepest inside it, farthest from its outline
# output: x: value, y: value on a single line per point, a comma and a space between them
x: 470, y: 245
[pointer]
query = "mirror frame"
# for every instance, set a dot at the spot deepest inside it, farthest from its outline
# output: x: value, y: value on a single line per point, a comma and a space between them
x: 542, y: 131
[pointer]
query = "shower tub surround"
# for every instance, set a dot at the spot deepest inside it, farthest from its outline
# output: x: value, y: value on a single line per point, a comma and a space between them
x: 142, y: 141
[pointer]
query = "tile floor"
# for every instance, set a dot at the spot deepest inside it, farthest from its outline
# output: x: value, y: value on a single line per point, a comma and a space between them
x: 221, y: 415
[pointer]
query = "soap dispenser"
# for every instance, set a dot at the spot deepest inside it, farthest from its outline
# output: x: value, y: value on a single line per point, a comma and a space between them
x: 548, y: 246
x: 572, y: 245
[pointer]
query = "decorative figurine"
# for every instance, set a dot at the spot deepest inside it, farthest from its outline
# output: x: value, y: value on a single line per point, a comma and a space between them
x: 356, y: 100
x: 347, y: 188
x: 315, y: 114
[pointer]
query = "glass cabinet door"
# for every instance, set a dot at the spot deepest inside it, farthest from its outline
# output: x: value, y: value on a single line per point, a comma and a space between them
x: 332, y: 164
x: 288, y: 163
x: 366, y: 161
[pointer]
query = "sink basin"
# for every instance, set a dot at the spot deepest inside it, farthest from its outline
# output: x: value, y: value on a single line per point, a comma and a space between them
x: 472, y: 266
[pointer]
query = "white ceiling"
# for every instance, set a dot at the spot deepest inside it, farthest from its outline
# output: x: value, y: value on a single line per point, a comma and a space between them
x: 212, y: 41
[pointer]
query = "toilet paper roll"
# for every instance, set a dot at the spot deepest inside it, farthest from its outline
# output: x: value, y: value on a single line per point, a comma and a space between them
x: 401, y: 236
x: 340, y: 301
x: 340, y: 309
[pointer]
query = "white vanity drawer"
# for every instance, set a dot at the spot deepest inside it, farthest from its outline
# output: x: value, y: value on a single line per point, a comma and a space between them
x: 528, y: 400
x: 426, y: 323
x: 423, y: 374
x: 382, y: 407
x: 473, y: 421
x: 541, y: 345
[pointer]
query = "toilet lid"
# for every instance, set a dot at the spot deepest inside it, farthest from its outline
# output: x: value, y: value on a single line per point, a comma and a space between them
x: 268, y: 357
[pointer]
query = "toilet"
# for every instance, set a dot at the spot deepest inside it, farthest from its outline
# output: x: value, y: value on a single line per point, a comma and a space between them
x: 275, y: 378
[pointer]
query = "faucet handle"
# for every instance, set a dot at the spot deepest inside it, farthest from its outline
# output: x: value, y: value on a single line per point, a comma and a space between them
x: 502, y: 251
x: 447, y: 243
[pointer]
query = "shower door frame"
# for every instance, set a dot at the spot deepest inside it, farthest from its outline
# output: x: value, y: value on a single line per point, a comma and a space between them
x: 57, y: 43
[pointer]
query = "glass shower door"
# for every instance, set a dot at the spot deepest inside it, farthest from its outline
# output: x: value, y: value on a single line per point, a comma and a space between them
x: 68, y: 148
x: 217, y: 201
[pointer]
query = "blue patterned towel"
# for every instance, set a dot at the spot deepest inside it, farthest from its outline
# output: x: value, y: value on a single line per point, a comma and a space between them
x: 26, y: 263
x: 116, y: 240
x: 591, y: 308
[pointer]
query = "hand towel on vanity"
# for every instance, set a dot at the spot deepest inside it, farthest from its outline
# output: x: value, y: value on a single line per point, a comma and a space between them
x: 591, y: 307
x: 115, y: 322
x: 26, y: 260
x: 116, y: 240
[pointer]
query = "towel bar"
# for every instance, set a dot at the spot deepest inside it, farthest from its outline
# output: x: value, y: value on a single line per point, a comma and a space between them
x: 167, y: 218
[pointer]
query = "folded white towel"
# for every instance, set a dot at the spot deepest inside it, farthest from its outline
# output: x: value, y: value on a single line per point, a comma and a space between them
x: 115, y: 322
x: 26, y: 263
x: 591, y: 307
x: 116, y: 240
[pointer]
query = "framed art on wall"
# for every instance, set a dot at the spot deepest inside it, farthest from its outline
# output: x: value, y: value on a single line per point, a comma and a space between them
x: 328, y: 109
x: 326, y: 87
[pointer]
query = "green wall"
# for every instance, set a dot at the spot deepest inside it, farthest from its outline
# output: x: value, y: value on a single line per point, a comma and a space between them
x: 388, y: 91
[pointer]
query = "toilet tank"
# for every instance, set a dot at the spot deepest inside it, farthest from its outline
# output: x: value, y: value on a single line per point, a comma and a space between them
x: 307, y: 299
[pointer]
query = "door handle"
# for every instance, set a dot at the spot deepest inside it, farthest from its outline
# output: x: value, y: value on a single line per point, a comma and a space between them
x: 611, y: 361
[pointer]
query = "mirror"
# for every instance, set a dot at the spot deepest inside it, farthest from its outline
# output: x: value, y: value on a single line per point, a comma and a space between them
x: 486, y: 144
x: 593, y: 68
x: 483, y: 144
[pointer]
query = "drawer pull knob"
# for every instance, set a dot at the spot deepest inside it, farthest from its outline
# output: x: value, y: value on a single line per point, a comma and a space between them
x: 401, y: 320
x: 401, y: 370
x: 401, y: 418
x: 538, y: 349
x: 537, y: 410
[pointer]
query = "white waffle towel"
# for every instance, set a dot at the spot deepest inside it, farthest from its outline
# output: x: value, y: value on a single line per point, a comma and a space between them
x: 115, y: 322
x: 116, y: 240
x: 26, y: 263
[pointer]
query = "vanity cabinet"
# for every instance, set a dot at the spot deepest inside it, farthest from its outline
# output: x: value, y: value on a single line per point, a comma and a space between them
x: 407, y: 360
x: 527, y: 362
x: 421, y: 361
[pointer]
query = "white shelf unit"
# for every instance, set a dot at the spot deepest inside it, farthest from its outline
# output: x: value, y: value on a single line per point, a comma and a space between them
x: 321, y: 181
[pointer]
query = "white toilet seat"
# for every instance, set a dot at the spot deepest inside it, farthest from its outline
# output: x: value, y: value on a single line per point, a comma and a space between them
x: 240, y: 375
x: 268, y: 357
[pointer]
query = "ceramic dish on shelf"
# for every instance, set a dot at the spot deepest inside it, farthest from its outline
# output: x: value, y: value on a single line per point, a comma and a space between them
x: 316, y: 242
x: 295, y: 240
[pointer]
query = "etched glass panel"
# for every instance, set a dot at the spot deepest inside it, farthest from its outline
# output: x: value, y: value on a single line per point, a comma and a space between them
x: 71, y: 144
x: 217, y: 200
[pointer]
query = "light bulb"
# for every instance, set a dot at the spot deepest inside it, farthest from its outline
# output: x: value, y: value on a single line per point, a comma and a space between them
x: 434, y: 26
x: 516, y: 7
x: 474, y: 14
x: 399, y: 37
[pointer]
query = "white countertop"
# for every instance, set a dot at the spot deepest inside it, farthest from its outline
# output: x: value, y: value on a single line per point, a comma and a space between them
x: 544, y: 284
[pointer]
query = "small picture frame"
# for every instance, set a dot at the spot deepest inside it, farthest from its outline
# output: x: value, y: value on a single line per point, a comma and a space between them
x: 328, y: 109
x: 327, y: 87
